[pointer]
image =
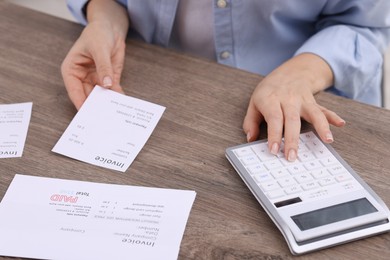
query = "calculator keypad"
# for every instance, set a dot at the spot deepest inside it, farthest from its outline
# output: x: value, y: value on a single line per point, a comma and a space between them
x: 316, y: 172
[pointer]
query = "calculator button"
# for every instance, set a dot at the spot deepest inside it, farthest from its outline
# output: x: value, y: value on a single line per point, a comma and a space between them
x: 292, y: 189
x: 262, y: 151
x: 276, y: 194
x: 312, y: 165
x: 343, y: 177
x: 279, y: 173
x: 270, y: 185
x: 263, y: 177
x: 322, y: 152
x: 309, y: 185
x: 305, y: 156
x: 318, y: 149
x: 245, y: 151
x: 284, y: 182
x: 315, y: 145
x: 257, y: 168
x: 302, y: 148
x: 303, y: 177
x: 249, y: 160
x: 273, y: 164
x: 307, y: 136
x: 327, y: 181
x: 320, y: 173
x: 336, y: 169
x: 288, y: 163
x: 328, y: 161
x: 294, y: 169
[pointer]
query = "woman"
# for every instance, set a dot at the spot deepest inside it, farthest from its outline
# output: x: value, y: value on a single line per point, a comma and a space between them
x: 301, y: 47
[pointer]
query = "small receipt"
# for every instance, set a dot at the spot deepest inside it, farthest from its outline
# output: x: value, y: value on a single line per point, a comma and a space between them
x: 14, y: 122
x: 109, y: 130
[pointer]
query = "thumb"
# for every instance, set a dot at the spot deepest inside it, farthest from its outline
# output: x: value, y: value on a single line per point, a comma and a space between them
x: 104, y: 68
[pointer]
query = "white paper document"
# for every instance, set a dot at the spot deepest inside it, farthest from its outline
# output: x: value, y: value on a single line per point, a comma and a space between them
x: 14, y: 122
x: 109, y: 130
x: 48, y: 218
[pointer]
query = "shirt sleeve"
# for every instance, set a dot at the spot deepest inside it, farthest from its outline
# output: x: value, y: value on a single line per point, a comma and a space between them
x: 351, y: 37
x: 76, y: 7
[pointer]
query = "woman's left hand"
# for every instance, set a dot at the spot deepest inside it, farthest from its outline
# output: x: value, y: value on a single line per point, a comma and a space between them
x: 285, y: 96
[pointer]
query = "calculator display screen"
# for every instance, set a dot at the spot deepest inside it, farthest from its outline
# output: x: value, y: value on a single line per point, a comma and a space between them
x: 333, y: 214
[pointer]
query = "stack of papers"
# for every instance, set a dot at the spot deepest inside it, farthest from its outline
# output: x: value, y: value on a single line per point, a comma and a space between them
x: 62, y: 219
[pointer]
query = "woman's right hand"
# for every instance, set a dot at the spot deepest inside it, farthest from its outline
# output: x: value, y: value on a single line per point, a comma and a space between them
x: 97, y: 57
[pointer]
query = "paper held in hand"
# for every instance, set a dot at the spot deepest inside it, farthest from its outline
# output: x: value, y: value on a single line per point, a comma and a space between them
x: 109, y: 130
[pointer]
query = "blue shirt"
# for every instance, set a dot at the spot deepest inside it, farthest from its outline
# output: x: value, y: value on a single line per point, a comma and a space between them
x: 259, y: 35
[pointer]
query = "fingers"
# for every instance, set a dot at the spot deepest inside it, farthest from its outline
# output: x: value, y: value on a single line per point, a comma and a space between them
x: 285, y: 96
x: 97, y: 57
x: 332, y: 117
x: 118, y: 62
x: 118, y: 89
x: 73, y: 86
x: 320, y: 123
x: 292, y: 129
x: 75, y: 91
x: 103, y: 65
x: 274, y: 117
x: 285, y: 116
x: 109, y: 64
x: 251, y: 123
x: 321, y: 118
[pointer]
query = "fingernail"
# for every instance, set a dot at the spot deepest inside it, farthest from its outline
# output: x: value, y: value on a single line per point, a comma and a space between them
x: 275, y: 148
x: 292, y: 155
x: 248, y: 137
x: 107, y: 82
x: 329, y: 137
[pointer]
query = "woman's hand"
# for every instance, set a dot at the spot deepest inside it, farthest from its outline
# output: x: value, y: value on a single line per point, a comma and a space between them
x: 97, y: 57
x: 284, y: 97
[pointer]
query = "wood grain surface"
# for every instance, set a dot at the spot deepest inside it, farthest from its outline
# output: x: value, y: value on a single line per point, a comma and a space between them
x: 206, y: 104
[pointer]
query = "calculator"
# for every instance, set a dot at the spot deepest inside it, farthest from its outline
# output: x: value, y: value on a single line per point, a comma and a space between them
x: 318, y: 201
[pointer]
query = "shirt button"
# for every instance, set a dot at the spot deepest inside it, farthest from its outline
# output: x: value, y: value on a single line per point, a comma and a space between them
x: 221, y: 3
x: 225, y: 55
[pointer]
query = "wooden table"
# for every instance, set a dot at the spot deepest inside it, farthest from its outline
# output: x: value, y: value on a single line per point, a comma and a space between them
x: 206, y: 103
